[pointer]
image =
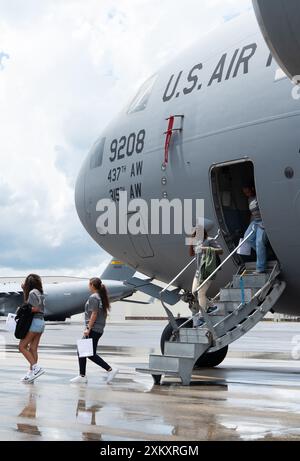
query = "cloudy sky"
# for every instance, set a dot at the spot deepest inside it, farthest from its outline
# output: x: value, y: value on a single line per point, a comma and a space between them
x: 66, y: 68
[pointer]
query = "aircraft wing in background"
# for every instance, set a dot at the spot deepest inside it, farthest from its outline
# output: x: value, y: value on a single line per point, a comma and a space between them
x: 11, y: 296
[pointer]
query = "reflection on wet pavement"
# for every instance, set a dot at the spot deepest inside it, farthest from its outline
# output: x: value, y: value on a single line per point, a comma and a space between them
x: 29, y: 411
x: 229, y: 403
x: 243, y: 399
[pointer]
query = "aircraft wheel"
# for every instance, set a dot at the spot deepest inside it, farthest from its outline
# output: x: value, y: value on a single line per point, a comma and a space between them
x: 212, y: 359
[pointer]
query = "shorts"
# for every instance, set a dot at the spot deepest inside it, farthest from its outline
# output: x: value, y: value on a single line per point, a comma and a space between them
x: 37, y: 326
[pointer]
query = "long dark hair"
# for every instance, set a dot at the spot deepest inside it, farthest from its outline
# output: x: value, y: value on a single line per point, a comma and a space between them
x: 32, y: 281
x: 101, y: 290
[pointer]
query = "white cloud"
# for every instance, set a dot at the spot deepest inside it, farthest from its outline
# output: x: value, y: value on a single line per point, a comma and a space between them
x: 72, y: 65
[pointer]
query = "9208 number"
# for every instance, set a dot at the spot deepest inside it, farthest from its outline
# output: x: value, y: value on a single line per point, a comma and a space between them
x: 127, y: 146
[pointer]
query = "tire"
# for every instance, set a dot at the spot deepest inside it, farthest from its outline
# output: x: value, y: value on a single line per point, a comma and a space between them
x: 212, y: 359
x: 208, y: 360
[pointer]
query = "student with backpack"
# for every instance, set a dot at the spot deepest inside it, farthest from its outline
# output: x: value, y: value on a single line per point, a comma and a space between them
x: 207, y: 252
x: 28, y: 346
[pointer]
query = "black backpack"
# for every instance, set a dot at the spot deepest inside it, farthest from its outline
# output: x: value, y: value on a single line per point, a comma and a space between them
x: 23, y: 320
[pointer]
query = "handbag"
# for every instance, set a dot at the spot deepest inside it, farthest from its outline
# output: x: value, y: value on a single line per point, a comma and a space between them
x: 10, y: 324
x: 23, y: 320
x: 85, y: 347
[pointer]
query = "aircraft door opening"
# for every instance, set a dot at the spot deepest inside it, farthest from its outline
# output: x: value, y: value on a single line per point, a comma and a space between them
x: 231, y: 205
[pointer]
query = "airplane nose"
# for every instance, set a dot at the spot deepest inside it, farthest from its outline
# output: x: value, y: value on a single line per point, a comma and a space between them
x: 89, y: 186
x: 80, y: 194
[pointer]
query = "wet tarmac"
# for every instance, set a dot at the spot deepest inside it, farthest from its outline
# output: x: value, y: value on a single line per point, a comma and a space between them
x: 249, y: 397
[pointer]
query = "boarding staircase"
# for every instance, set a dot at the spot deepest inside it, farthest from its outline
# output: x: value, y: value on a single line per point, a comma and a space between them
x: 243, y: 303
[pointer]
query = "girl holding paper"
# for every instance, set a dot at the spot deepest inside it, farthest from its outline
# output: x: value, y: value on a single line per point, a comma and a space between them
x: 96, y: 310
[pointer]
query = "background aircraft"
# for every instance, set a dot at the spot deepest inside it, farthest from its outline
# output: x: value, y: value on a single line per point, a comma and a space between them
x: 65, y: 299
x: 68, y: 298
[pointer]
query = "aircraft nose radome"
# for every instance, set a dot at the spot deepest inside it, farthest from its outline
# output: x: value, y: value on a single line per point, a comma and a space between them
x: 80, y: 194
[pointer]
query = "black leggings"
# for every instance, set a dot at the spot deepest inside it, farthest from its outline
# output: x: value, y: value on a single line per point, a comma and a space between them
x: 95, y: 358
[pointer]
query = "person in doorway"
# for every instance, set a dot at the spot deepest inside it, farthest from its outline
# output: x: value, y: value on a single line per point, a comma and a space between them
x: 201, y: 248
x: 96, y: 310
x: 34, y: 295
x: 258, y: 239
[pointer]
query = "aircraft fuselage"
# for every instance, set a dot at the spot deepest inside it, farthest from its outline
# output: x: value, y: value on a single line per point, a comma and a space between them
x: 237, y: 108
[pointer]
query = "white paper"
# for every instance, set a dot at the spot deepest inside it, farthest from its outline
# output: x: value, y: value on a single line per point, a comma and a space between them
x: 85, y: 347
x: 84, y: 417
x: 11, y: 323
x: 245, y: 249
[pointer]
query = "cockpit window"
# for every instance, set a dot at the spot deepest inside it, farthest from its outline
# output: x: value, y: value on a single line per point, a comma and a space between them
x: 141, y: 99
x: 97, y: 154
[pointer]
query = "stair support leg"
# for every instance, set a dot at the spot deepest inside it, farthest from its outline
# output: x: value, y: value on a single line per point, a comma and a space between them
x: 185, y: 373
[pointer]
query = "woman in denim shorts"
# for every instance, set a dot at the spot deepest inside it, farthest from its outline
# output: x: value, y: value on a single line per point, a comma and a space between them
x: 34, y: 295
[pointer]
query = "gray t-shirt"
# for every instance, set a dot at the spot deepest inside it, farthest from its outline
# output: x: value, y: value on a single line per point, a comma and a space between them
x: 37, y: 299
x: 254, y: 209
x: 94, y: 304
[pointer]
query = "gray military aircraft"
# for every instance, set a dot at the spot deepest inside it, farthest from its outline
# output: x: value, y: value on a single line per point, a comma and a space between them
x: 219, y: 116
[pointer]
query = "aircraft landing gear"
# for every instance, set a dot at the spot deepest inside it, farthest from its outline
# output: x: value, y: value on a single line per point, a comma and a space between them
x: 208, y: 360
x: 212, y: 359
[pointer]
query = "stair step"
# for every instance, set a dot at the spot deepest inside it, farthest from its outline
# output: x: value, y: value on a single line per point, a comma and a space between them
x: 235, y: 295
x: 226, y: 307
x: 251, y: 266
x: 251, y: 281
x: 154, y: 371
x: 184, y: 349
x: 166, y: 363
x: 194, y: 335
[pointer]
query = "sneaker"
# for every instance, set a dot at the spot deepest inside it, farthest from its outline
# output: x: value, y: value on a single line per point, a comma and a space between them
x: 27, y: 377
x: 79, y: 380
x: 212, y: 309
x: 35, y: 373
x: 110, y: 375
x: 198, y: 322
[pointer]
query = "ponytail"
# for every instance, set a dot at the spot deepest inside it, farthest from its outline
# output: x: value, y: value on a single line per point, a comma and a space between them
x: 101, y: 290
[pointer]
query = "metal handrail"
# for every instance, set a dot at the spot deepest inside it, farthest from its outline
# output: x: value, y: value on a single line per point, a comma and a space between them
x: 217, y: 270
x: 177, y: 276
